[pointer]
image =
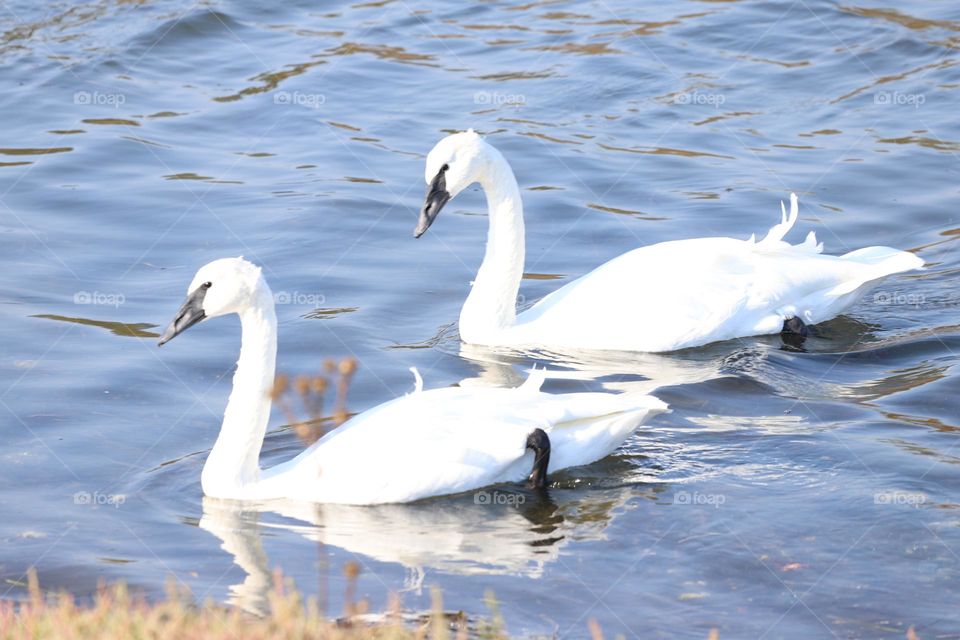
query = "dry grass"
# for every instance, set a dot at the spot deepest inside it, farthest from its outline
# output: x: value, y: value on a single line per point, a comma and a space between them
x: 306, y: 395
x: 116, y: 614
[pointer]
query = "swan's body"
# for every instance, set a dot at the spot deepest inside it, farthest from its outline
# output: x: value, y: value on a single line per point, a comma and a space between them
x: 662, y: 297
x: 424, y: 444
x: 451, y: 440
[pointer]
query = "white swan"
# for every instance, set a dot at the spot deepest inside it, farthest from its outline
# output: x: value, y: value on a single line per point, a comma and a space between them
x: 424, y: 444
x: 663, y: 297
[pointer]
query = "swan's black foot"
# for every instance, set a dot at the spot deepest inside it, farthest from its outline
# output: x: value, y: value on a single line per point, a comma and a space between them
x: 539, y: 443
x: 793, y: 343
x: 795, y: 326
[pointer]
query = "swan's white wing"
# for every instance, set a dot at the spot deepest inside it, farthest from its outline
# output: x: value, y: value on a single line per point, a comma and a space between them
x: 687, y: 293
x: 651, y: 299
x: 452, y: 440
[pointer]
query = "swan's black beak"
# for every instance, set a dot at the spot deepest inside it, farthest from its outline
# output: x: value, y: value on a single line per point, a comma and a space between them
x: 437, y: 196
x: 191, y: 312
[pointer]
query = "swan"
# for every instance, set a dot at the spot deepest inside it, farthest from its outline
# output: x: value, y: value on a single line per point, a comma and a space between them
x: 663, y: 297
x: 424, y: 444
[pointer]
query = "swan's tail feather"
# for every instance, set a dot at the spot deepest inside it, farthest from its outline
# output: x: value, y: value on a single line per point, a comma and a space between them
x: 640, y: 404
x: 774, y: 240
x: 417, y: 380
x: 879, y: 262
x: 600, y: 427
x: 779, y: 231
x: 534, y: 381
x: 811, y: 245
x: 586, y: 407
x: 626, y: 410
x: 644, y: 402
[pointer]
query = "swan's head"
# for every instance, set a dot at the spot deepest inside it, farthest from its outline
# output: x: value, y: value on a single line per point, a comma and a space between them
x: 453, y: 165
x: 229, y: 285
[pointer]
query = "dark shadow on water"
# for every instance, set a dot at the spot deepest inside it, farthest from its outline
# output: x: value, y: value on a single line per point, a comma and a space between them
x: 129, y: 330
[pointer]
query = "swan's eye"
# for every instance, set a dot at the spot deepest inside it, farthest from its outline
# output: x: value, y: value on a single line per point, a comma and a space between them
x: 444, y: 168
x: 207, y: 285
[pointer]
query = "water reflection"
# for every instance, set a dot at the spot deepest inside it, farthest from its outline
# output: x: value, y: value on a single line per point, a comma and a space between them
x: 841, y: 359
x: 238, y: 527
x: 131, y: 329
x: 498, y: 531
x: 609, y: 371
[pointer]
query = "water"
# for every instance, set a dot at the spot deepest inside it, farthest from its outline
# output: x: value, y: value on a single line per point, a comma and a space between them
x: 788, y: 494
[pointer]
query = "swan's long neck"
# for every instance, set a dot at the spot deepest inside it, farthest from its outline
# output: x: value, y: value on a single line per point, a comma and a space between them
x: 234, y: 462
x: 492, y: 304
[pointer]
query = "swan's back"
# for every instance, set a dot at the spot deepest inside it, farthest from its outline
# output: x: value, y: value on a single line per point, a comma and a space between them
x: 452, y: 440
x: 688, y: 293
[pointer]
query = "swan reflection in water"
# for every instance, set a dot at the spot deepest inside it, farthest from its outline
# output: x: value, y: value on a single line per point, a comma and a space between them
x: 497, y: 531
x: 638, y: 372
x: 634, y: 372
